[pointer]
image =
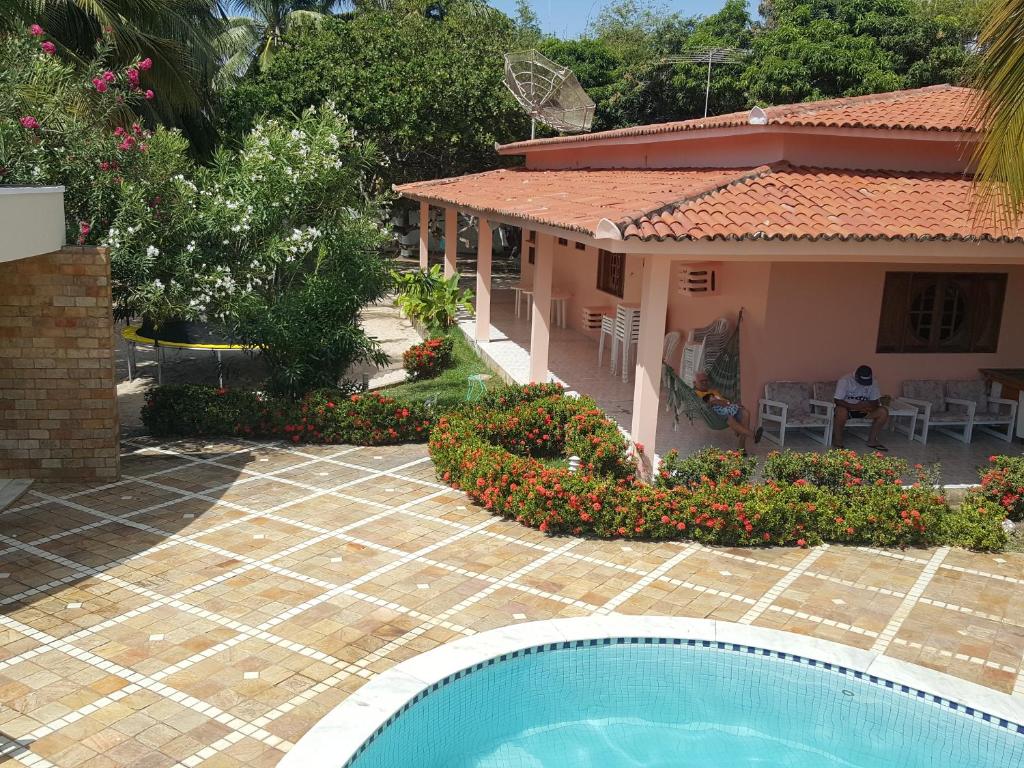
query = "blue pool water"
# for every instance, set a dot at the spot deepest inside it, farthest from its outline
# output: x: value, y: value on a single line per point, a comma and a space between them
x: 633, y: 704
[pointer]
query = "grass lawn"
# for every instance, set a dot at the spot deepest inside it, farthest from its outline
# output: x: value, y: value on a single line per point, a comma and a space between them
x: 450, y: 385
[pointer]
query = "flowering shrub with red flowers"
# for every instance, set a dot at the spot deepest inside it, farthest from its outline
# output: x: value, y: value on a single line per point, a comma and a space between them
x: 1002, y: 481
x: 426, y: 360
x: 323, y: 416
x: 706, y: 464
x: 502, y: 454
x: 836, y: 469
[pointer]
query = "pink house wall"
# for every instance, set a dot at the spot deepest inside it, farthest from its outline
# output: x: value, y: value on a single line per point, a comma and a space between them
x: 806, y: 322
x: 822, y: 321
x: 821, y: 150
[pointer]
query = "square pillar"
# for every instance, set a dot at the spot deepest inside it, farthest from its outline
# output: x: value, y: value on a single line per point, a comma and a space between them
x: 424, y: 235
x: 451, y: 240
x: 483, y: 281
x: 647, y: 390
x: 540, y: 323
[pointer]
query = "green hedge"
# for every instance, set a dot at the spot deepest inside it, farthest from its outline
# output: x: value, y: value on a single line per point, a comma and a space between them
x: 510, y: 453
x: 323, y: 416
x: 504, y: 454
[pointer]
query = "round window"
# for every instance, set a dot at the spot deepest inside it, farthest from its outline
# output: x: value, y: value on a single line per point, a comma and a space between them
x: 938, y: 314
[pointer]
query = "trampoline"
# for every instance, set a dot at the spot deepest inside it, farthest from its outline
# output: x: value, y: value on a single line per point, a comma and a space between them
x: 133, y: 337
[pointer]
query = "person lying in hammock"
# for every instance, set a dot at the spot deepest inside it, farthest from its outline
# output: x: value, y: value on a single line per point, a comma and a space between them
x: 737, y: 417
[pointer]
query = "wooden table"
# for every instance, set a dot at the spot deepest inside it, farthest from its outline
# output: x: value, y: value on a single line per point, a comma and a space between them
x: 1008, y: 383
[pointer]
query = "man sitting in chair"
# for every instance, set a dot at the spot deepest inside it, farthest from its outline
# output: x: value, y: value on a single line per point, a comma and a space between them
x: 736, y: 416
x: 858, y: 397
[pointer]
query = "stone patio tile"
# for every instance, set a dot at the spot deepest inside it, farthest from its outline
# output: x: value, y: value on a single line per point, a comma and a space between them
x: 869, y: 569
x: 1009, y: 565
x: 79, y: 606
x: 199, y: 478
x: 981, y: 594
x: 335, y: 561
x: 262, y: 494
x: 101, y: 546
x: 640, y: 555
x: 390, y: 491
x: 508, y: 606
x: 322, y: 472
x: 425, y: 588
x: 155, y: 639
x: 253, y: 597
x: 51, y: 518
x: 28, y: 570
x: 171, y: 569
x: 404, y: 532
x: 386, y: 457
x: 707, y: 569
x: 189, y: 516
x: 966, y: 635
x: 485, y: 556
x: 329, y: 511
x: 256, y: 538
x: 579, y: 580
x: 774, y: 619
x: 839, y: 603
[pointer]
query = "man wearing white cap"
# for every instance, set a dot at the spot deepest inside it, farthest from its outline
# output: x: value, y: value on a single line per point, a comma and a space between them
x: 858, y: 397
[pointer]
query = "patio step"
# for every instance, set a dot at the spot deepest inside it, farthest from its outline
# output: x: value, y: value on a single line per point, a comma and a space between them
x: 11, y: 490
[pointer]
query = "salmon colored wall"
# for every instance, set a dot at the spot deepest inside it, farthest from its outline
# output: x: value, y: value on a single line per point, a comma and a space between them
x: 758, y: 149
x: 822, y: 322
x: 575, y: 271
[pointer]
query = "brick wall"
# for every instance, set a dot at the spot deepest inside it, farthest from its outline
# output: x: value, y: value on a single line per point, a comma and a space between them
x: 58, y: 400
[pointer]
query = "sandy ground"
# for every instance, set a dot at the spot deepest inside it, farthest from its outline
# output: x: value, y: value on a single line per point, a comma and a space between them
x: 382, y: 321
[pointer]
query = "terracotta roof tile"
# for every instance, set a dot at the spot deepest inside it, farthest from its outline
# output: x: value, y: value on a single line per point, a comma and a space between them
x: 570, y: 199
x: 935, y: 108
x: 825, y: 204
x: 765, y: 203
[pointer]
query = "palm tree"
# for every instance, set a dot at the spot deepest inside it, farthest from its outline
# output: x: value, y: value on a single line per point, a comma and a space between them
x: 1000, y: 156
x: 178, y: 35
x: 253, y: 35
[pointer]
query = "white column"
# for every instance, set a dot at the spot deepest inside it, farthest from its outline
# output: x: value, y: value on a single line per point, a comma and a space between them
x: 483, y: 281
x: 424, y: 235
x: 451, y: 240
x: 540, y: 328
x: 647, y: 390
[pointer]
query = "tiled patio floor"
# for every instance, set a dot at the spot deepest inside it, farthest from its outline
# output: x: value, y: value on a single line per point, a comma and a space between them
x: 210, y: 607
x: 573, y: 361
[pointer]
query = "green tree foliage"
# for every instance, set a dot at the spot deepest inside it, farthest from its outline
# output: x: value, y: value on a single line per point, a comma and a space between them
x: 814, y: 49
x: 428, y: 94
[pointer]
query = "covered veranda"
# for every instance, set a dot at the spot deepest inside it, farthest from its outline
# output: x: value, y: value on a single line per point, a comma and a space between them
x: 660, y: 220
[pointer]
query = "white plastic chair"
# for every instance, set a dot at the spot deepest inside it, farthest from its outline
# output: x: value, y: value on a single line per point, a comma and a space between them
x: 627, y: 336
x: 703, y: 345
x: 607, y: 329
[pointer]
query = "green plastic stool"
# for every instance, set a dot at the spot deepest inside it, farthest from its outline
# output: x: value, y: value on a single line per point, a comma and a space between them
x: 476, y: 386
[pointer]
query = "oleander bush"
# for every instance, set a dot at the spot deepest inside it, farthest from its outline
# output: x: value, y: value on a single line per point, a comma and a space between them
x: 1002, y: 482
x: 426, y: 360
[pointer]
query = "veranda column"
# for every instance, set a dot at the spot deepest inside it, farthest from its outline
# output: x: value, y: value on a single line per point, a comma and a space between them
x: 483, y: 281
x: 646, y: 393
x: 424, y: 235
x: 451, y: 240
x: 540, y: 323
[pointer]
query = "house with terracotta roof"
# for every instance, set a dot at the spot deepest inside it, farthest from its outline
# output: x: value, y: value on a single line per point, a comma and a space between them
x: 847, y: 230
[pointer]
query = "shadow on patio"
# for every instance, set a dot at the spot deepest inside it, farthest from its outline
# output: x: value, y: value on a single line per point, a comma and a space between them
x: 573, y: 362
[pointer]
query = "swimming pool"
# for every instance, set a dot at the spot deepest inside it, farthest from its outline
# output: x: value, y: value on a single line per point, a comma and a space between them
x: 664, y: 696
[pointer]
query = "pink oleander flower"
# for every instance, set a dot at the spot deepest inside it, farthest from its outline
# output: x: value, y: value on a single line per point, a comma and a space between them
x: 100, y: 84
x: 149, y: 94
x: 48, y: 48
x: 36, y: 31
x: 136, y: 129
x: 29, y: 123
x: 146, y: 64
x: 119, y: 131
x: 109, y: 76
x: 84, y: 227
x: 133, y: 76
x: 104, y: 166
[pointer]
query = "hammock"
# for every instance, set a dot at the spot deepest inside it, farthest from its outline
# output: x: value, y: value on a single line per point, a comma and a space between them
x: 724, y: 375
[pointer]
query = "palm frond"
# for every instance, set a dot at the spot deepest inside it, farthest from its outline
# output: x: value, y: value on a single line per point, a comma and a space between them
x: 999, y: 158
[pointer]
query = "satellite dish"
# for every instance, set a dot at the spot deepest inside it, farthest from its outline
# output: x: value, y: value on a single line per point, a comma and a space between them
x: 548, y: 92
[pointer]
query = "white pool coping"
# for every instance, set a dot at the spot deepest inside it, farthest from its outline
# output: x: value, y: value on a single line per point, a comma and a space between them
x: 338, y: 736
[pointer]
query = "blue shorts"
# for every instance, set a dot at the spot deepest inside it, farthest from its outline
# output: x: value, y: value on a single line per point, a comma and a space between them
x: 727, y: 411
